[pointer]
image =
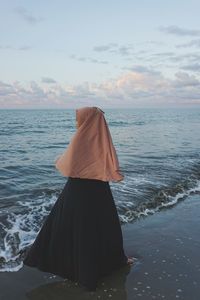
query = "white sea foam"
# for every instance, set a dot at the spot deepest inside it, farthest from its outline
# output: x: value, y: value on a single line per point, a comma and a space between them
x: 132, y: 213
x: 22, y: 230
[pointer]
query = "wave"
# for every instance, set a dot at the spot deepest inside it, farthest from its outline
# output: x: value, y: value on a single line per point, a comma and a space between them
x: 19, y: 230
x: 20, y: 226
x: 126, y: 123
x: 164, y: 198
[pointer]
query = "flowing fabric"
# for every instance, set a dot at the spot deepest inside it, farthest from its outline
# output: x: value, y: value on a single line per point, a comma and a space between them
x: 81, y: 238
x: 91, y: 153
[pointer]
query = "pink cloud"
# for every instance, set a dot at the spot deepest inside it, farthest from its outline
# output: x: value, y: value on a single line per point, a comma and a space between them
x: 129, y: 89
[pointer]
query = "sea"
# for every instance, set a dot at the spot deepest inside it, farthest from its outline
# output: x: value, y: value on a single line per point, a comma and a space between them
x: 159, y: 155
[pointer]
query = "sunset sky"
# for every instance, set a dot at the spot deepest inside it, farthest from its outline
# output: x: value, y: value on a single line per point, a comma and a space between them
x: 66, y: 54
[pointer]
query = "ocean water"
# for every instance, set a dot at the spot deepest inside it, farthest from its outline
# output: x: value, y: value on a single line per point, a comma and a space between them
x: 158, y: 151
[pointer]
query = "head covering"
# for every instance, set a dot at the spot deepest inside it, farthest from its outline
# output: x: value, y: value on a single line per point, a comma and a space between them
x: 91, y: 153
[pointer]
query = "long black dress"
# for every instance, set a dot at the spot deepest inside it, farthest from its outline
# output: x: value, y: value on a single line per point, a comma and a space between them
x: 81, y: 238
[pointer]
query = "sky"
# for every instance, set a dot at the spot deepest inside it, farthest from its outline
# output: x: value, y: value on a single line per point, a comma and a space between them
x: 69, y: 54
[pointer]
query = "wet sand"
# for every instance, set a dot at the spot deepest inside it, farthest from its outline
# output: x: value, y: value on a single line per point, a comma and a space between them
x: 166, y: 246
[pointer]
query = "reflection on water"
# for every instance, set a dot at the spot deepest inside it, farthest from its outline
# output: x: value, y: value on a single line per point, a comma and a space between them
x: 110, y: 287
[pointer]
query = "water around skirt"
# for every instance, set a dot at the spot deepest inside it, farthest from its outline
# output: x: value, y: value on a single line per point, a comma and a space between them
x: 81, y: 238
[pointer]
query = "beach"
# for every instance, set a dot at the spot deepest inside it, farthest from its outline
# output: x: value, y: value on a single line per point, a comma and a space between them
x: 158, y: 201
x: 99, y: 145
x: 166, y: 249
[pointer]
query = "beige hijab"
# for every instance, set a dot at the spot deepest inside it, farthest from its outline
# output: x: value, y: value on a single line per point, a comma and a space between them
x: 91, y: 153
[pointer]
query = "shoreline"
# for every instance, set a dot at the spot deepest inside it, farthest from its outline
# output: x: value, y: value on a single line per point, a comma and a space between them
x: 167, y: 266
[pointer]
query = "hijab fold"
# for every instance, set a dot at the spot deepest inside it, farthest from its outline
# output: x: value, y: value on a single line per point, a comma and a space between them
x: 90, y: 153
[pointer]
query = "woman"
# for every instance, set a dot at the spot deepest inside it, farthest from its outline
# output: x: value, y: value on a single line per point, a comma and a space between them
x: 81, y: 238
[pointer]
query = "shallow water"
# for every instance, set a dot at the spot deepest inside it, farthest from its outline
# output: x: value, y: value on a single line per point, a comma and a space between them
x: 158, y: 151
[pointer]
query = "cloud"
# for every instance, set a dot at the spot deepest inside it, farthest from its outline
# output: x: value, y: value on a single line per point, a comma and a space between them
x: 48, y: 80
x: 192, y: 67
x: 138, y: 87
x: 5, y: 47
x: 143, y: 69
x: 27, y: 16
x: 183, y: 79
x: 150, y: 42
x: 25, y: 48
x: 169, y: 60
x: 123, y: 50
x: 107, y: 47
x: 6, y: 89
x: 88, y: 59
x: 195, y: 43
x: 10, y: 47
x: 164, y: 54
x: 178, y: 31
x: 113, y: 48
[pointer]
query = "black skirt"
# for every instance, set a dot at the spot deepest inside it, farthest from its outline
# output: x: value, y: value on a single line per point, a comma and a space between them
x: 81, y: 238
